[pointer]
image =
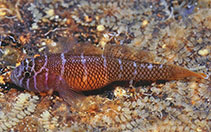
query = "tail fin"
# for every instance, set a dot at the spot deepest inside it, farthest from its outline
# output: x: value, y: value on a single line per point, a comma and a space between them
x: 201, y: 75
x: 181, y: 73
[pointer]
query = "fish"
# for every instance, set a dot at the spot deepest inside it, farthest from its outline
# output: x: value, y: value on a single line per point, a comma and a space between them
x: 70, y: 74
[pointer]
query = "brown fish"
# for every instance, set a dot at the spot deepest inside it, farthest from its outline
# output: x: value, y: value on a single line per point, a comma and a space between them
x: 70, y: 74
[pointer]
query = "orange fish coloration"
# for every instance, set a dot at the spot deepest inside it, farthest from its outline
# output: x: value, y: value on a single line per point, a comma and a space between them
x: 69, y: 74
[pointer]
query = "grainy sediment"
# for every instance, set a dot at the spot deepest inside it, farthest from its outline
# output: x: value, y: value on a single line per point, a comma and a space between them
x: 177, y: 32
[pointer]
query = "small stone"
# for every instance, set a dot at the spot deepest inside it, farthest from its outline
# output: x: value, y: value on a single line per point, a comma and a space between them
x: 199, y: 129
x: 8, y: 125
x: 203, y: 52
x: 100, y: 28
x: 122, y: 117
x: 50, y: 12
x: 122, y: 126
x: 144, y: 23
x: 126, y: 110
x: 3, y: 126
x: 129, y: 126
x: 19, y: 116
x: 34, y: 26
x: 117, y: 119
x: 134, y: 104
x: 200, y: 40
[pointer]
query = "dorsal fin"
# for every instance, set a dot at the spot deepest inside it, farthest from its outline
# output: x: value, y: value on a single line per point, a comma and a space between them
x: 118, y: 51
x: 70, y: 46
x: 86, y: 49
x: 128, y: 52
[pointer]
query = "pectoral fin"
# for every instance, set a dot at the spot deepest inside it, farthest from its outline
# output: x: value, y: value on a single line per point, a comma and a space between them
x: 71, y: 97
x: 65, y: 91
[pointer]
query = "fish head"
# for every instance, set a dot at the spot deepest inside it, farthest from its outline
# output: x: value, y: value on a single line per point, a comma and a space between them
x: 23, y: 72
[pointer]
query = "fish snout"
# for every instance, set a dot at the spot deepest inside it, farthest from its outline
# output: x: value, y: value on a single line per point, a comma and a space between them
x: 16, y: 76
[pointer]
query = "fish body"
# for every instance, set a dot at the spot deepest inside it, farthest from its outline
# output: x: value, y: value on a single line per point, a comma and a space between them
x: 65, y: 72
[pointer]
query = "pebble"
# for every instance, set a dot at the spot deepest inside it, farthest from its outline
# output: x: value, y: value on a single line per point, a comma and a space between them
x: 100, y: 28
x: 203, y: 52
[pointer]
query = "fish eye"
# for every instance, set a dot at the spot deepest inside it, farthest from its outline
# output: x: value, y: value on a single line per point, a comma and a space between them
x: 27, y: 74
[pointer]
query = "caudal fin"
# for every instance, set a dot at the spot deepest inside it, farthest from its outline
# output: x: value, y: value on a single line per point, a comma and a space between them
x: 181, y: 73
x: 201, y: 75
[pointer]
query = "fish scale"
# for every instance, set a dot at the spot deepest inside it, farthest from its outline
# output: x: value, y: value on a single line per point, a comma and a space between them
x: 69, y: 74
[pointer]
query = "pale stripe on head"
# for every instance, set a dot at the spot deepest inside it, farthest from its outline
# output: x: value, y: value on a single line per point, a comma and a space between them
x: 36, y: 73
